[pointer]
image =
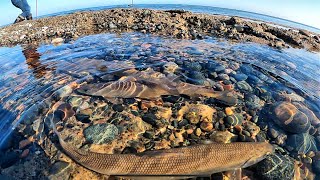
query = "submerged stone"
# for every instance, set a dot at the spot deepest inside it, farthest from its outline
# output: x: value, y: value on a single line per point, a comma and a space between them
x: 101, y: 133
x: 275, y: 167
x: 288, y: 117
x: 301, y: 143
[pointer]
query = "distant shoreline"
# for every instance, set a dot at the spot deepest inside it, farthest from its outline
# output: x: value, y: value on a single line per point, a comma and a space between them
x: 175, y: 23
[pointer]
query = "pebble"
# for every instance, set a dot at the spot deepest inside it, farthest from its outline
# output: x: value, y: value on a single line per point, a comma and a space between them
x: 60, y: 170
x: 244, y: 86
x: 57, y: 41
x: 300, y: 143
x: 288, y: 117
x: 118, y: 107
x: 8, y: 159
x: 275, y: 166
x: 101, y: 133
x: 316, y: 166
x: 233, y: 120
x: 24, y: 153
x: 83, y: 118
x: 223, y: 137
x: 24, y: 143
x: 206, y: 126
x: 240, y: 77
x: 150, y: 118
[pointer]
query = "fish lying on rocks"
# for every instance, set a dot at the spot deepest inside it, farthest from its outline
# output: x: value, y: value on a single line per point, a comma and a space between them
x: 191, y: 161
x: 152, y: 85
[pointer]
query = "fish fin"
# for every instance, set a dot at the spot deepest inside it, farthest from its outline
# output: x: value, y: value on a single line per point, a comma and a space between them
x: 235, y: 174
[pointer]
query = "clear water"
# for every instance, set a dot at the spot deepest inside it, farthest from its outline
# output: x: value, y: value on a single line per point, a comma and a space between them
x: 25, y: 83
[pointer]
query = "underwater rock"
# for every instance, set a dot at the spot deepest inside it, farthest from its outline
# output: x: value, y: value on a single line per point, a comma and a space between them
x: 288, y: 117
x: 244, y: 86
x: 316, y: 166
x: 312, y: 117
x: 301, y: 143
x: 234, y: 119
x: 8, y: 159
x: 275, y: 167
x: 170, y: 67
x: 83, y: 118
x: 206, y: 126
x: 240, y: 77
x: 75, y: 101
x: 150, y: 118
x: 253, y: 102
x: 252, y: 128
x: 60, y: 170
x: 101, y: 133
x: 193, y: 66
x: 223, y: 137
x: 196, y: 77
x: 204, y: 112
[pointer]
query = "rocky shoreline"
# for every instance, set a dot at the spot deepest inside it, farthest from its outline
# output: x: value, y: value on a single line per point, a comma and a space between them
x: 177, y: 23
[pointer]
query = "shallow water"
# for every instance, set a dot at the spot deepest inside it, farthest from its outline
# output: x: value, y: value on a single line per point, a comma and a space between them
x: 33, y: 76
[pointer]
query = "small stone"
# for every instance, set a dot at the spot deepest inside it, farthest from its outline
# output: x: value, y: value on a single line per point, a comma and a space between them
x: 101, y: 133
x: 25, y: 153
x: 233, y: 120
x: 198, y: 132
x: 301, y: 143
x: 60, y: 170
x: 240, y: 77
x: 118, y: 107
x: 8, y: 159
x: 112, y: 26
x: 275, y: 166
x: 206, y: 126
x: 83, y: 118
x: 244, y: 86
x: 316, y: 166
x: 24, y: 143
x: 57, y: 41
x: 228, y: 111
x: 223, y: 137
x: 150, y: 118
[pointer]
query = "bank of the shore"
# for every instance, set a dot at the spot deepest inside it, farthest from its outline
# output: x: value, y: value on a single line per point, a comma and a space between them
x: 176, y: 23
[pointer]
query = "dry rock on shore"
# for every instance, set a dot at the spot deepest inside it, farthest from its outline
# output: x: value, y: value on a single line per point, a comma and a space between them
x: 179, y: 24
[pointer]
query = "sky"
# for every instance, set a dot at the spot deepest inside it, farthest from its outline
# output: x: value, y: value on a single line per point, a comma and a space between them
x: 302, y: 11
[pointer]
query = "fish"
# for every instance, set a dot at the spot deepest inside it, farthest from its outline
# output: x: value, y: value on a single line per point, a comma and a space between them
x: 152, y: 85
x: 190, y: 161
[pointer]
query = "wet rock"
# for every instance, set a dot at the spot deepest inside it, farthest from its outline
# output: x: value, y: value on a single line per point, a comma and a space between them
x: 253, y: 102
x: 240, y: 77
x: 288, y: 117
x: 223, y: 137
x: 193, y: 66
x: 83, y: 118
x: 301, y: 143
x: 170, y: 67
x: 8, y: 159
x: 252, y: 128
x: 206, y: 126
x: 201, y: 111
x: 311, y: 116
x: 60, y: 170
x: 101, y: 133
x: 150, y: 118
x: 118, y: 107
x: 244, y: 86
x: 234, y: 119
x: 254, y: 80
x: 275, y: 167
x: 316, y: 166
x: 196, y: 77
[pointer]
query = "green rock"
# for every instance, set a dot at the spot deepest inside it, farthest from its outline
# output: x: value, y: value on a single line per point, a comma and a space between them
x: 101, y: 133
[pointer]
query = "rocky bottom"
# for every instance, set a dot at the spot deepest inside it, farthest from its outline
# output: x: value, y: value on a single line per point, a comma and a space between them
x: 194, y: 97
